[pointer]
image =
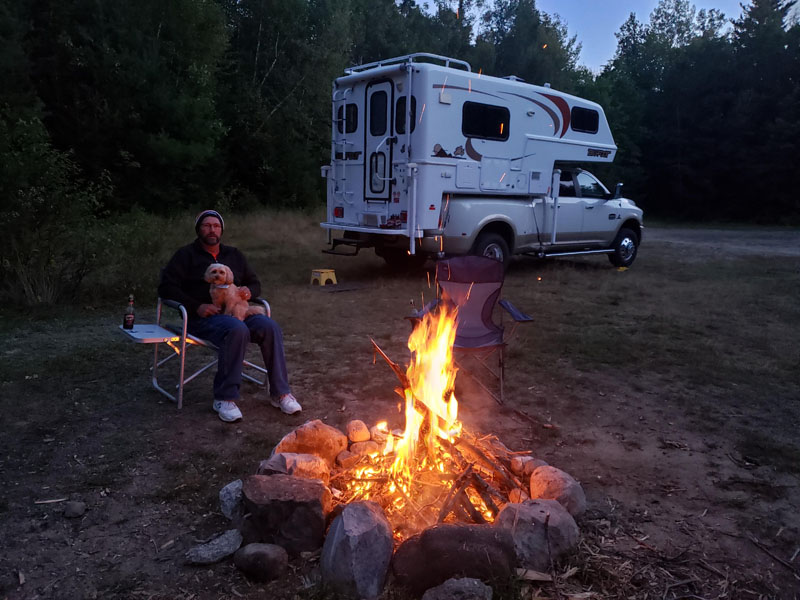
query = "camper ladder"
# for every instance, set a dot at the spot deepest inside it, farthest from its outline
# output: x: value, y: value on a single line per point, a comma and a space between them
x: 340, y: 146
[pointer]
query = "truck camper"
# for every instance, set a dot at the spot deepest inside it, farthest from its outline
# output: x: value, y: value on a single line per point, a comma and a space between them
x: 429, y: 158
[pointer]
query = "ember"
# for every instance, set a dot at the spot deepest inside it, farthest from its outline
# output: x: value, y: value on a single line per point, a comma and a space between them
x: 434, y: 471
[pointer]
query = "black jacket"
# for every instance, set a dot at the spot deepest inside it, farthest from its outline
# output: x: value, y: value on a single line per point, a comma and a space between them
x: 182, y: 278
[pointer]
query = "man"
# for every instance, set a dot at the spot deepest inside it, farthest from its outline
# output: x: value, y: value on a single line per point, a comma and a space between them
x: 182, y: 281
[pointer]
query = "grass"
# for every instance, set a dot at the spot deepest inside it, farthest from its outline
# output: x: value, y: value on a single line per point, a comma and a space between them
x: 708, y: 343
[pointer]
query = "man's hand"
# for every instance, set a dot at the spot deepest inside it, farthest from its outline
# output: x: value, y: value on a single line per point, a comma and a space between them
x: 206, y: 310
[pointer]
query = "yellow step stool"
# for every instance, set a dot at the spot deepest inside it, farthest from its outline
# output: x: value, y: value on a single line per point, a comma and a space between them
x: 323, y: 277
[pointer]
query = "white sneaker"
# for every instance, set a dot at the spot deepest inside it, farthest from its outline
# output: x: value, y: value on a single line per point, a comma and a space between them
x: 287, y: 403
x: 227, y: 410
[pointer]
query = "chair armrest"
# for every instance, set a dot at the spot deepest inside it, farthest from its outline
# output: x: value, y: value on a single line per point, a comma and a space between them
x: 176, y: 305
x: 417, y: 314
x: 516, y: 314
x: 263, y: 301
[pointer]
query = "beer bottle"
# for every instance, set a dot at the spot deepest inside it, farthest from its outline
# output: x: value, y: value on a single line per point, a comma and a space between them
x: 127, y: 319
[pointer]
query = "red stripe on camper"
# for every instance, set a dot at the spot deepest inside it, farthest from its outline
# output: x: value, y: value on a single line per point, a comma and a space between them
x: 562, y: 105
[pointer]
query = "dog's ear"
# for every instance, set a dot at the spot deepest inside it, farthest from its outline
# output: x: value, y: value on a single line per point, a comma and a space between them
x: 228, y: 275
x: 208, y: 277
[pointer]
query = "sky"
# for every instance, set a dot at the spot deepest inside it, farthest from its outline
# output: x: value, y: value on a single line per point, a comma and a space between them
x: 595, y: 22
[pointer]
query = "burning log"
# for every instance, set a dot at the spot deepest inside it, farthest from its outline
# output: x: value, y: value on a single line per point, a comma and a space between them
x: 505, y: 475
x: 486, y: 492
x: 457, y: 487
x: 473, y: 512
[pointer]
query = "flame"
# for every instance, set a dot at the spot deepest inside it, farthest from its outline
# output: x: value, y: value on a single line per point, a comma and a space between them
x: 411, y: 475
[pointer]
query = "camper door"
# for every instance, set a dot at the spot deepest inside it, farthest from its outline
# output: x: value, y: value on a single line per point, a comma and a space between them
x: 379, y: 141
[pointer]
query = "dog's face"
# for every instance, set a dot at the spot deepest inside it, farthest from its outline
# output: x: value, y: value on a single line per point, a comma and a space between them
x: 218, y: 274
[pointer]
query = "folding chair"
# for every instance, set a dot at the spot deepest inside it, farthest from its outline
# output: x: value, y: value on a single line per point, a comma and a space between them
x: 473, y: 284
x: 186, y: 341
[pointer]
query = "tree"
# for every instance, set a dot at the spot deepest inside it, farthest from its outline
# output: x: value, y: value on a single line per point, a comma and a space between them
x: 129, y: 87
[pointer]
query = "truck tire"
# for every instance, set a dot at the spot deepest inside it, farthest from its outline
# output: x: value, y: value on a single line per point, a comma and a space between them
x: 625, y: 247
x: 492, y: 245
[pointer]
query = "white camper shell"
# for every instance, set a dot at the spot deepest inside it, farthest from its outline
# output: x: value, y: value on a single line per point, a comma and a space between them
x: 433, y: 158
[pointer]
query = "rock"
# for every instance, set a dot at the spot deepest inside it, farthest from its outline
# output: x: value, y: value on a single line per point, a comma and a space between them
x: 549, y: 483
x: 214, y: 551
x: 262, y: 562
x: 362, y: 448
x: 347, y: 459
x: 452, y: 550
x: 309, y: 466
x: 288, y: 511
x: 525, y: 465
x: 357, y: 431
x: 74, y: 509
x: 459, y: 589
x: 357, y: 551
x: 314, y: 437
x: 230, y: 500
x: 379, y: 435
x: 526, y: 524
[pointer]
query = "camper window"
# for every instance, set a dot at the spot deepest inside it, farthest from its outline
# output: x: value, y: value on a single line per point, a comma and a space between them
x: 585, y: 120
x: 377, y: 166
x: 351, y: 113
x: 377, y: 113
x: 400, y: 114
x: 485, y: 121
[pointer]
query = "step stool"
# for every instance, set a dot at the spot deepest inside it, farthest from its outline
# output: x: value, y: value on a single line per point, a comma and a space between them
x: 323, y: 277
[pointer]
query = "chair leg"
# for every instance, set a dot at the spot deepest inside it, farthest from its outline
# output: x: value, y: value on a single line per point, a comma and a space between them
x: 156, y: 364
x: 502, y: 371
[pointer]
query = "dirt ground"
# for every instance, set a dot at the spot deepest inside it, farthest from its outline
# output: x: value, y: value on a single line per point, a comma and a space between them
x: 692, y: 477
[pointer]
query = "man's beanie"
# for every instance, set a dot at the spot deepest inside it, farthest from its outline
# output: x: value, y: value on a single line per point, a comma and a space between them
x: 203, y: 215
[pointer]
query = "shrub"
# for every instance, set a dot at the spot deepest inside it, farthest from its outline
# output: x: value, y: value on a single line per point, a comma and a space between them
x: 48, y: 214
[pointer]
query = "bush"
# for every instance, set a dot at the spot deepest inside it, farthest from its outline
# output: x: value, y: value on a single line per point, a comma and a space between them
x: 48, y: 214
x: 132, y: 250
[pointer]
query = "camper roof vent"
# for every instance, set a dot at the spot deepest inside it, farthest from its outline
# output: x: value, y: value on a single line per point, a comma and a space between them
x: 514, y: 78
x: 547, y: 84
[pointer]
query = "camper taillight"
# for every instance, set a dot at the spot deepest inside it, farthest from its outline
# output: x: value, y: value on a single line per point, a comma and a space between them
x: 338, y: 212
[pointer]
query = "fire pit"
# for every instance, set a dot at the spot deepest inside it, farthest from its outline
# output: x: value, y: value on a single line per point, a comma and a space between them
x: 436, y: 500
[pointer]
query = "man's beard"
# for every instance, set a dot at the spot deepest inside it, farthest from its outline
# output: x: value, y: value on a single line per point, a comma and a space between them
x: 210, y: 239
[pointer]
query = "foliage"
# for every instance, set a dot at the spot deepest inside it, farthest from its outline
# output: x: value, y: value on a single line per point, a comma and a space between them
x: 227, y: 102
x: 47, y: 215
x: 706, y: 119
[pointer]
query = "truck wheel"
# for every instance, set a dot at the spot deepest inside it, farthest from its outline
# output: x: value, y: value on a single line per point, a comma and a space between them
x: 625, y: 247
x: 493, y: 246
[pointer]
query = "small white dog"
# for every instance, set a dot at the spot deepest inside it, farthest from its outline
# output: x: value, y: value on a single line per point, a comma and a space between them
x: 231, y: 299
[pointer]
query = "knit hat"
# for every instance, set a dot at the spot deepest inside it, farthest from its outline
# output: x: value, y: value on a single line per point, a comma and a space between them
x: 203, y: 215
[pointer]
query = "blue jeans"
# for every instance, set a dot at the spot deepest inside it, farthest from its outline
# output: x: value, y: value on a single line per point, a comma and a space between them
x: 231, y: 336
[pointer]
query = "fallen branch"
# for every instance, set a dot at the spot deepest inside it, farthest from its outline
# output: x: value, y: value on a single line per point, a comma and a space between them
x: 766, y: 550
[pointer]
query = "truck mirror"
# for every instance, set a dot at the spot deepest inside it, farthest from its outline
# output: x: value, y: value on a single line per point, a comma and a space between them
x: 618, y: 191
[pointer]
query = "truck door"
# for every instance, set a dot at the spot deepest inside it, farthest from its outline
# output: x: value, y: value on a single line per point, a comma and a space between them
x: 596, y: 209
x: 570, y: 211
x: 378, y: 141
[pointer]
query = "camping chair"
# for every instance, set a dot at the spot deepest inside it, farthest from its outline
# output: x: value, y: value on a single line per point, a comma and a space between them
x: 186, y: 341
x: 473, y: 285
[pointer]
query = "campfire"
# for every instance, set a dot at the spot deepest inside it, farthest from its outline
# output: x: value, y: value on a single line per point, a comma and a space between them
x: 434, y: 471
x: 430, y: 504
